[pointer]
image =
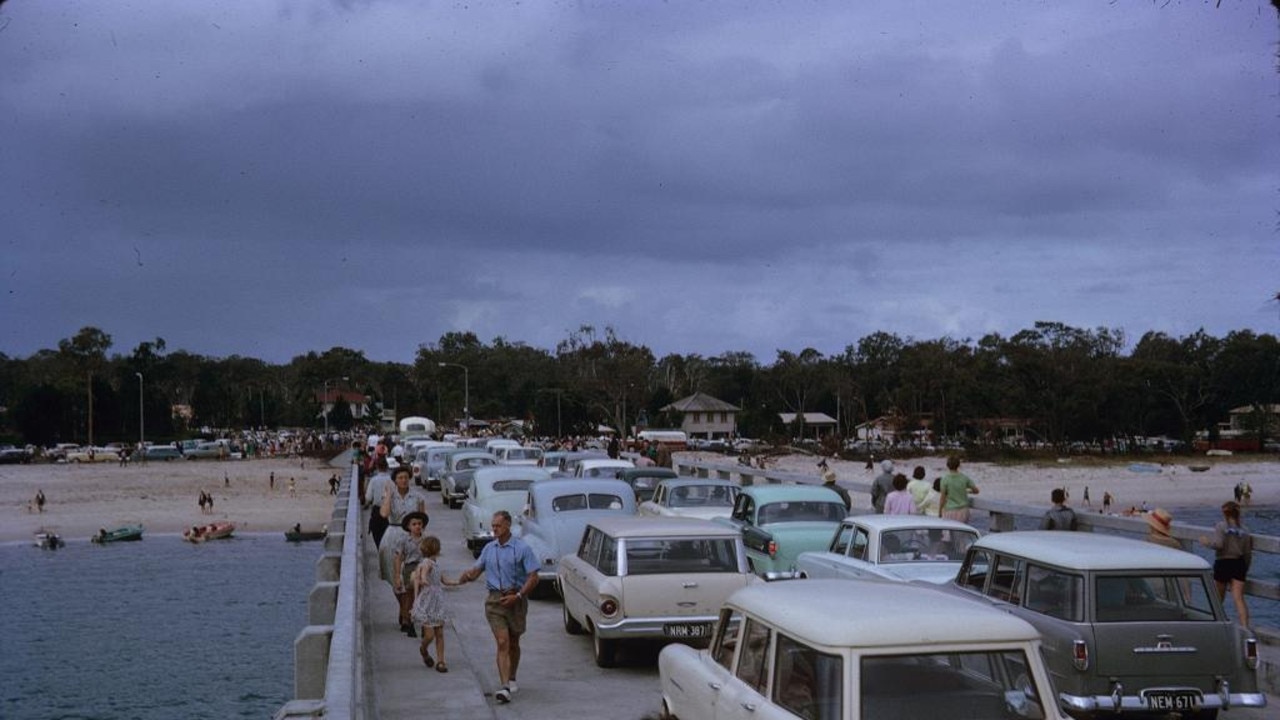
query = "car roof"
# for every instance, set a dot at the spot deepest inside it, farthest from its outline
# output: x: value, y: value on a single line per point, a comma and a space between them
x: 774, y: 493
x: 605, y: 462
x: 658, y: 472
x: 647, y: 527
x: 826, y: 612
x: 1090, y: 551
x: 698, y: 482
x: 896, y: 522
x: 555, y: 488
x: 494, y: 473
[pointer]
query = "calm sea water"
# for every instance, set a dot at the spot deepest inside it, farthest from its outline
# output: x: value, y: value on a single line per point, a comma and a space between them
x: 153, y: 630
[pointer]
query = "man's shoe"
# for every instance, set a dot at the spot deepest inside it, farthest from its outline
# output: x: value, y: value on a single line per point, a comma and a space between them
x: 512, y: 687
x: 503, y: 695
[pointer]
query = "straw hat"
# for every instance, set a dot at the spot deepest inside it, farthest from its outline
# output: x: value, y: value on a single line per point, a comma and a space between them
x: 1160, y: 520
x: 415, y: 515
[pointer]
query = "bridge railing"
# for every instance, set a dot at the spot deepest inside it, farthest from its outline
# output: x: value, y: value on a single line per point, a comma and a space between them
x: 328, y: 672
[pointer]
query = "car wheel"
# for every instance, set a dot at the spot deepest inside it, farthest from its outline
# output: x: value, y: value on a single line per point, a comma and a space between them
x: 475, y: 552
x: 571, y: 626
x: 665, y: 712
x: 606, y: 650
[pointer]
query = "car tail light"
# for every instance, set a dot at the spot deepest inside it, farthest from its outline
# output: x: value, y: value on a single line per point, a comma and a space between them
x: 1251, y: 653
x: 773, y: 548
x: 1080, y: 655
x: 609, y: 607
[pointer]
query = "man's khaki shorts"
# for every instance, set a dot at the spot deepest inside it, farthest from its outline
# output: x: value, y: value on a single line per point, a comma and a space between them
x: 510, y: 619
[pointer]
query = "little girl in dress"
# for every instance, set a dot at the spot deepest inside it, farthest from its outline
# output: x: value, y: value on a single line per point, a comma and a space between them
x: 429, y: 610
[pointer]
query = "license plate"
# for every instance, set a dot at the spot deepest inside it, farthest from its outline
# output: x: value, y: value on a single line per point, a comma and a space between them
x: 1180, y: 700
x: 687, y: 630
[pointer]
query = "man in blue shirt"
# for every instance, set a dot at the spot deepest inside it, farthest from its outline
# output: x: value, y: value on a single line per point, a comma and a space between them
x: 510, y: 571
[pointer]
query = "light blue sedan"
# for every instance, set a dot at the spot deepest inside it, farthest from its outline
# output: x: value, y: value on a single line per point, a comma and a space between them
x: 557, y: 514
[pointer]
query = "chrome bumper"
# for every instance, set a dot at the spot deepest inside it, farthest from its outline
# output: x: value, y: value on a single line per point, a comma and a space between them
x: 1118, y: 701
x: 653, y: 627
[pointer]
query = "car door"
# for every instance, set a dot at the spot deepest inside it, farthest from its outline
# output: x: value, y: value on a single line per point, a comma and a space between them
x: 745, y: 697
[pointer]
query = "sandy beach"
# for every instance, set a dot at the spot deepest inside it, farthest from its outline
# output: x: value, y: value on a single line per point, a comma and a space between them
x: 162, y: 495
x: 81, y: 499
x: 1174, y: 486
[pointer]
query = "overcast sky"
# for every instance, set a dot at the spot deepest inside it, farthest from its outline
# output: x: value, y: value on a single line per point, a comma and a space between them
x: 269, y: 178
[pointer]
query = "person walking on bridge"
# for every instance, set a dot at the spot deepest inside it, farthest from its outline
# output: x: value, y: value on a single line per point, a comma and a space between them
x: 510, y: 571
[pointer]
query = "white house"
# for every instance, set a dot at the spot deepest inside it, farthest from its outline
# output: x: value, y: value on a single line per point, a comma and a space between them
x: 705, y: 416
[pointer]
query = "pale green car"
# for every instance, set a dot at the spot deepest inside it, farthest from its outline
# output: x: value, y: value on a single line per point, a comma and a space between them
x: 779, y: 522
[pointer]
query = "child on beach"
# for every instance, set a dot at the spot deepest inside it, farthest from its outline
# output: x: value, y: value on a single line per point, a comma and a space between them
x: 429, y: 610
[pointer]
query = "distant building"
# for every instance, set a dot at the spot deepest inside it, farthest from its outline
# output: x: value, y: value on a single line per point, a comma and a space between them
x: 357, y: 402
x: 705, y: 416
x: 819, y: 423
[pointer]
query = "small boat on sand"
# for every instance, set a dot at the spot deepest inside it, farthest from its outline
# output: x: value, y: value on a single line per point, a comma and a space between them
x: 211, y: 531
x: 49, y: 540
x: 124, y: 533
x: 1197, y: 468
x: 297, y: 534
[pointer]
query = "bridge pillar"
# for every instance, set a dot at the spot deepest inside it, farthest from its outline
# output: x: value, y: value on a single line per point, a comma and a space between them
x: 329, y: 566
x: 322, y: 603
x: 311, y: 661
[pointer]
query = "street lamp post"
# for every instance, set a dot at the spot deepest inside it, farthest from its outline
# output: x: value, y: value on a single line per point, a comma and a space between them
x: 466, y: 390
x: 141, y: 421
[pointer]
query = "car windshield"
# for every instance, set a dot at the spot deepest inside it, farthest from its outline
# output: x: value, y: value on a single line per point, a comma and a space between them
x: 681, y: 555
x: 925, y: 545
x: 801, y: 511
x: 524, y: 454
x: 472, y: 463
x: 1153, y: 598
x: 993, y: 685
x: 702, y: 496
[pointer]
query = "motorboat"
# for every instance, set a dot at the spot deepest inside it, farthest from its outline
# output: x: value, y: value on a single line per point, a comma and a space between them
x: 124, y: 533
x: 210, y: 531
x: 297, y: 534
x: 49, y: 540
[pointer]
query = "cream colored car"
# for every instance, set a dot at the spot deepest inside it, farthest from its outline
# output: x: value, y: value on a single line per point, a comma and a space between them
x: 650, y: 577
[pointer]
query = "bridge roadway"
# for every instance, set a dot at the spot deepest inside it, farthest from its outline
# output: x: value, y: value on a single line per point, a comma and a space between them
x: 558, y: 676
x: 375, y: 673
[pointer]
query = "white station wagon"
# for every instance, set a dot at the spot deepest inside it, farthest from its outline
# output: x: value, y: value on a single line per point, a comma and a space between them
x: 858, y: 650
x: 692, y: 497
x: 892, y: 547
x: 650, y: 577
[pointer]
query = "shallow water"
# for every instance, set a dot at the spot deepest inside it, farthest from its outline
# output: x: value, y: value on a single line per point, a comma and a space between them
x: 156, y: 629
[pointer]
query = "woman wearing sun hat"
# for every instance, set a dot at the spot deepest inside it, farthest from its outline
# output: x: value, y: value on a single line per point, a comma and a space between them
x: 1159, y: 526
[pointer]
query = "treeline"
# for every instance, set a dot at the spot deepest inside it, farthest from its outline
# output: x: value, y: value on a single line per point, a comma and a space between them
x: 1058, y: 382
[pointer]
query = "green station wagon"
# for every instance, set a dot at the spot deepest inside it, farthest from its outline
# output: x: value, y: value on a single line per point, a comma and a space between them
x: 1127, y: 626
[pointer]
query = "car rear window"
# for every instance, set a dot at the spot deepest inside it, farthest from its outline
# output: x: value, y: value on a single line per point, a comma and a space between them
x: 511, y: 485
x: 584, y: 501
x: 690, y: 555
x: 801, y: 511
x: 1152, y: 598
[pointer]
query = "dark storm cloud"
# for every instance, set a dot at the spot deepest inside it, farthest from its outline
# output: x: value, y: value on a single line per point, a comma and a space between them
x: 262, y: 178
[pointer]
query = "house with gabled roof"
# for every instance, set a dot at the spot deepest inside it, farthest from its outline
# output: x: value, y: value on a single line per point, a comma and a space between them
x: 705, y: 416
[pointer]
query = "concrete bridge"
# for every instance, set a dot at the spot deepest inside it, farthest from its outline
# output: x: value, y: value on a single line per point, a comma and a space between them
x: 351, y: 664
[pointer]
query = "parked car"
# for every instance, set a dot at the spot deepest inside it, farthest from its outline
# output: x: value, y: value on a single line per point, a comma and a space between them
x: 644, y: 480
x: 893, y: 547
x: 1127, y: 625
x: 87, y: 454
x: 458, y: 469
x: 518, y: 455
x: 550, y: 460
x: 704, y: 498
x: 212, y: 449
x: 778, y: 522
x: 557, y: 513
x: 10, y: 455
x: 600, y: 467
x: 651, y: 577
x: 428, y: 464
x: 569, y: 463
x: 806, y: 649
x: 161, y: 453
x: 500, y: 487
